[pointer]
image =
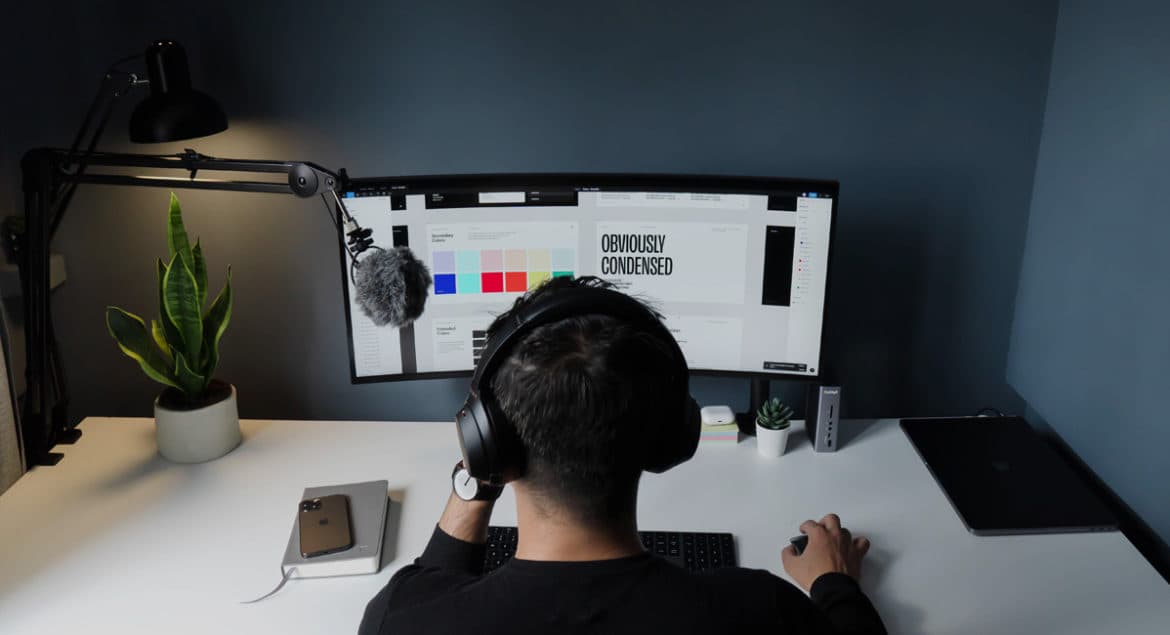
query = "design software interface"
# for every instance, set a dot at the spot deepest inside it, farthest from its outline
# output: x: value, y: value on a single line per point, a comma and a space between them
x: 737, y: 268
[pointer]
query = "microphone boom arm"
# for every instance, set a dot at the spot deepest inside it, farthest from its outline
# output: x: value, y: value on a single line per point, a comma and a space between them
x: 304, y: 179
x: 46, y: 172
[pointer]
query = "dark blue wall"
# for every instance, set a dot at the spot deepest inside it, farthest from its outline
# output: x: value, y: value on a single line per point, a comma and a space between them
x: 1090, y: 348
x: 928, y: 113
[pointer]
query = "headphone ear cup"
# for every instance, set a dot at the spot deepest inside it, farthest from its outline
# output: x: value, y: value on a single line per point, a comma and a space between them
x: 491, y: 448
x: 690, y: 436
x: 676, y: 440
x: 476, y: 441
x: 508, y: 457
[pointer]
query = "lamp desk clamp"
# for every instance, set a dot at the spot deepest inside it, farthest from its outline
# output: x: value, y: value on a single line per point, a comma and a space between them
x: 173, y: 111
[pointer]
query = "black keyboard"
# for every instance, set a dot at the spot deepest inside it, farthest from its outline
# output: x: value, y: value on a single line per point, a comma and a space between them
x: 694, y: 551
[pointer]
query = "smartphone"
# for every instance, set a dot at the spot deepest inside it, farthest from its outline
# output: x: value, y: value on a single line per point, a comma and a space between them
x: 324, y: 524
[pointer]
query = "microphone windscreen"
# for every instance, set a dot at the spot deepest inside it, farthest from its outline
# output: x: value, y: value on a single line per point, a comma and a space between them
x: 391, y: 286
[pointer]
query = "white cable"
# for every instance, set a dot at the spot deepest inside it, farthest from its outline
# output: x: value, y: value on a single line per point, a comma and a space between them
x: 283, y: 579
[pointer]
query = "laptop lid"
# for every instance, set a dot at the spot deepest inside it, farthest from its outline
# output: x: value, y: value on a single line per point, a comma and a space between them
x: 1003, y: 478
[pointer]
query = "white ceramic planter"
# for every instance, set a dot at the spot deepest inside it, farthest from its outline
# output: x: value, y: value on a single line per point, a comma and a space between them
x: 771, y: 443
x: 202, y: 434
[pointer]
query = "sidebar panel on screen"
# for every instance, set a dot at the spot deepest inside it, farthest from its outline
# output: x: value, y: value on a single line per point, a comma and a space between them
x: 778, y: 245
x: 405, y: 333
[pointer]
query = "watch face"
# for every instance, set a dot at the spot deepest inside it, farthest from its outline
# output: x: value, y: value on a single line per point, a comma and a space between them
x: 466, y: 486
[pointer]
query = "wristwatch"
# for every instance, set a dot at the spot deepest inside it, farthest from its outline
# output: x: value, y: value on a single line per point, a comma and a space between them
x: 470, y: 488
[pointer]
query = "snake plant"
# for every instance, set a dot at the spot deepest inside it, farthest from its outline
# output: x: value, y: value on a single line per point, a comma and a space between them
x: 180, y: 349
x: 774, y: 415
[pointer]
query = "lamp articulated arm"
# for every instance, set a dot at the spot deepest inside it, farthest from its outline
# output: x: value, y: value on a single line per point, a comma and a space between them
x: 50, y: 176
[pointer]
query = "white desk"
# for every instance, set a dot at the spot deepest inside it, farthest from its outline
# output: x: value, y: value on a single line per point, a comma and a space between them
x: 116, y: 539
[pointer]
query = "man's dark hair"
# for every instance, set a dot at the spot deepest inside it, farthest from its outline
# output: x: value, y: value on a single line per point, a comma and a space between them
x: 579, y: 393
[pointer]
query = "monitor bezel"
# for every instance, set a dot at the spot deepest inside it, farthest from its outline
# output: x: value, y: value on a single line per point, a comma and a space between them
x: 590, y: 181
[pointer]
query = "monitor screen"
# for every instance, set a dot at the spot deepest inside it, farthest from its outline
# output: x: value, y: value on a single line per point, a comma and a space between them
x: 737, y: 266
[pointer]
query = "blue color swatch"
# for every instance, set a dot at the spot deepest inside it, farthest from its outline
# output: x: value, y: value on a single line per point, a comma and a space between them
x: 444, y: 284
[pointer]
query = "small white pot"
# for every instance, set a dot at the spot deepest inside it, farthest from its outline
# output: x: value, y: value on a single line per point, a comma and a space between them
x: 770, y: 443
x: 198, y: 435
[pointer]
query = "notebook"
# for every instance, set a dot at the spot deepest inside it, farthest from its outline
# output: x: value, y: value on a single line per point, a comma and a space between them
x: 367, y: 508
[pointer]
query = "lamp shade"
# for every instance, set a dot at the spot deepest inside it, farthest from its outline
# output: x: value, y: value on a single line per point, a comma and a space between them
x: 174, y: 111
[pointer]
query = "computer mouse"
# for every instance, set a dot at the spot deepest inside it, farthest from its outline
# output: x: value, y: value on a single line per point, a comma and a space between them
x: 799, y: 543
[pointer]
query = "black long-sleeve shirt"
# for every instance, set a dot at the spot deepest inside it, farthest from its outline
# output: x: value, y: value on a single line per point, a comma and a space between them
x: 445, y: 592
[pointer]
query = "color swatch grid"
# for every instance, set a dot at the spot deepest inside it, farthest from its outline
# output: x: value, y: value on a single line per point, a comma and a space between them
x: 473, y: 271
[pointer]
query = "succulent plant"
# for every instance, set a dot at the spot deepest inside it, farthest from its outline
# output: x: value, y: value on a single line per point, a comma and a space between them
x: 180, y: 349
x: 774, y: 415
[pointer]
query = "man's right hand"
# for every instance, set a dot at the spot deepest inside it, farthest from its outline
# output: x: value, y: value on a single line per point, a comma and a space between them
x: 831, y: 549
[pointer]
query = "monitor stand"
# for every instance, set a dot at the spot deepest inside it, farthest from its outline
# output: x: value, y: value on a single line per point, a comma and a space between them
x: 761, y: 390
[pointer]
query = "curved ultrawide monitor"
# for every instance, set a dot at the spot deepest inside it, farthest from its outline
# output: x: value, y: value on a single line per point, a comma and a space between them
x: 738, y: 266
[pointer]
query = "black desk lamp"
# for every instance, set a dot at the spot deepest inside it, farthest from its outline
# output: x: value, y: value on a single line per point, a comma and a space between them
x: 173, y: 111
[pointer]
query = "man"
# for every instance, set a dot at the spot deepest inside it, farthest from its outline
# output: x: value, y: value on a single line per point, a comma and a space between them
x: 577, y: 394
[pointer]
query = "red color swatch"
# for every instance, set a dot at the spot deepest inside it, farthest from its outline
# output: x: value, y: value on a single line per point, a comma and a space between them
x: 516, y: 281
x: 492, y: 282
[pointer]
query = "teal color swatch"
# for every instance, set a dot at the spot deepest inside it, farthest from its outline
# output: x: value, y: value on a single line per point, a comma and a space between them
x: 467, y: 282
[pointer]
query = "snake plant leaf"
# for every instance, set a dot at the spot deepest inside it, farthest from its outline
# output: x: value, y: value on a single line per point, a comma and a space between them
x: 129, y: 331
x: 181, y: 305
x: 177, y: 242
x: 169, y: 330
x: 160, y: 338
x: 190, y: 382
x: 200, y: 270
x: 214, y: 324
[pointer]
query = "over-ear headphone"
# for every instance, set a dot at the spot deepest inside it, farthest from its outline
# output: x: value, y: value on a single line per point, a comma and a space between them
x: 489, y: 443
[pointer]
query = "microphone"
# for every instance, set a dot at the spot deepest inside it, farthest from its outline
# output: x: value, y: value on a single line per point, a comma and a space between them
x: 391, y: 286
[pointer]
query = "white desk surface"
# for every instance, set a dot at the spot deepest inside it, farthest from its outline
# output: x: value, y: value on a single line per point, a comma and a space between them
x: 117, y: 539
